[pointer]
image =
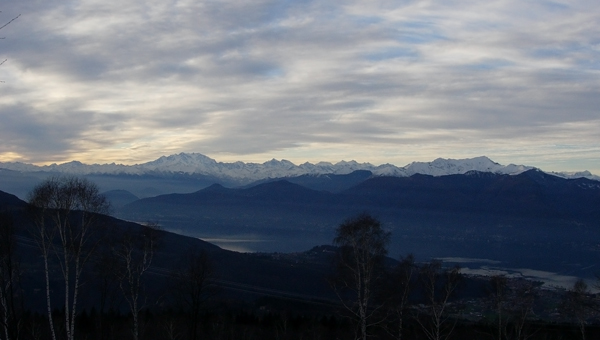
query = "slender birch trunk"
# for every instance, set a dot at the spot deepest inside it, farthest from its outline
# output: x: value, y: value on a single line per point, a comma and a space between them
x: 61, y: 200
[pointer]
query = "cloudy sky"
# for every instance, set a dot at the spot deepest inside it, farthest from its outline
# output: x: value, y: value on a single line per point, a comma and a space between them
x: 376, y: 81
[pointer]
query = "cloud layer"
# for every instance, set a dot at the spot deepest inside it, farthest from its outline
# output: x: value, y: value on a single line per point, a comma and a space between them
x: 378, y: 81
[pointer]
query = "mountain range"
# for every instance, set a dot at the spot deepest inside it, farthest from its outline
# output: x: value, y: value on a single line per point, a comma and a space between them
x: 530, y: 220
x: 474, y: 208
x: 245, y: 173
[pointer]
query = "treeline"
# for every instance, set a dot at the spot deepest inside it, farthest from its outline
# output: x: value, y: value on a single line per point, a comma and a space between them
x: 101, y: 282
x: 226, y: 321
x: 431, y: 301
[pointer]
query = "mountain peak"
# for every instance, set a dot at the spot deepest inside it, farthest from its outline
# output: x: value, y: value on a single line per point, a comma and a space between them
x: 244, y: 173
x: 442, y: 166
x: 213, y: 188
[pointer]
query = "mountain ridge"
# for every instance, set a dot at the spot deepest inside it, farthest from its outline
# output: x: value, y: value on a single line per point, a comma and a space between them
x: 530, y: 220
x: 199, y: 164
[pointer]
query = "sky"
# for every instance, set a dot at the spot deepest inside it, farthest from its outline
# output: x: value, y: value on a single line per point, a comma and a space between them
x: 373, y: 81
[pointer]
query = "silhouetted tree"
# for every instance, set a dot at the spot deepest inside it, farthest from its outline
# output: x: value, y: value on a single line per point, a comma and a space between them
x: 191, y: 281
x: 171, y: 329
x: 577, y: 303
x: 438, y: 286
x: 135, y: 251
x: 107, y: 283
x: 498, y: 296
x: 362, y: 246
x: 10, y: 292
x: 66, y: 213
x: 401, y: 283
x: 522, y: 298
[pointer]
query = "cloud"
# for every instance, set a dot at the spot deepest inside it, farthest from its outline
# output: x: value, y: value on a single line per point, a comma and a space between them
x: 387, y: 80
x: 25, y: 130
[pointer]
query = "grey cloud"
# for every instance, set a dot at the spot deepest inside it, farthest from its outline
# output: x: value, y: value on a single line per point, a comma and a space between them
x: 32, y: 133
x: 253, y: 77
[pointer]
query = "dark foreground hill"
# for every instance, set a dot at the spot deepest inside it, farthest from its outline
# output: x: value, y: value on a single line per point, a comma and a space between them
x: 10, y: 201
x: 532, y: 220
x: 239, y: 276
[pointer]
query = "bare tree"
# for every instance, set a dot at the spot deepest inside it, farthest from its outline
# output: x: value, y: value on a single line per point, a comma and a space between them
x: 8, y: 23
x: 577, y: 303
x: 191, y: 286
x: 107, y: 285
x: 66, y: 214
x: 402, y: 280
x: 10, y: 292
x: 363, y: 246
x: 438, y: 285
x: 522, y: 297
x: 171, y: 329
x: 498, y: 296
x: 135, y: 251
x: 3, y: 26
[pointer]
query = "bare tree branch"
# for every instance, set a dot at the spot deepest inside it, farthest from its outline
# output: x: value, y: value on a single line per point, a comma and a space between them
x: 8, y: 23
x: 66, y: 212
x: 363, y: 246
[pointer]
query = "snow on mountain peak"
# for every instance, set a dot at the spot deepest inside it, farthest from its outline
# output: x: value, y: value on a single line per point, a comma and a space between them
x: 183, y: 162
x: 276, y: 163
x: 576, y: 174
x: 442, y: 166
x: 196, y: 163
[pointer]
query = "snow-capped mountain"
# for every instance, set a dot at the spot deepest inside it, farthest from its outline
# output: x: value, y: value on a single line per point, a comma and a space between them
x: 196, y: 163
x: 441, y: 167
x: 575, y: 174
